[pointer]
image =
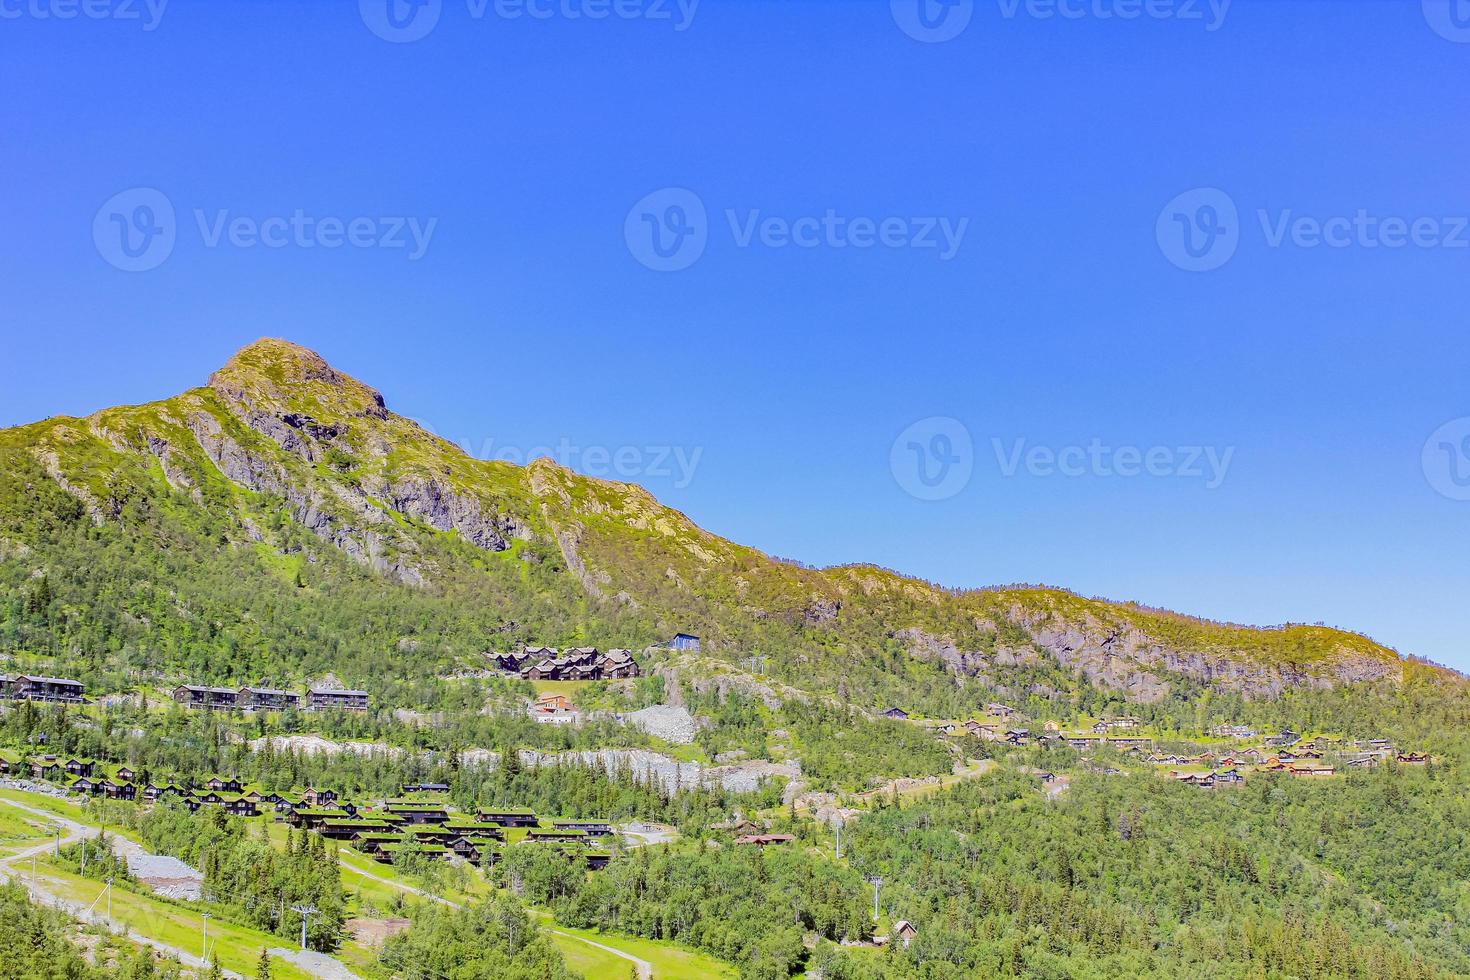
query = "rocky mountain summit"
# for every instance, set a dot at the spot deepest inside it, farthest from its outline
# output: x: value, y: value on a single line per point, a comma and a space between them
x: 279, y: 442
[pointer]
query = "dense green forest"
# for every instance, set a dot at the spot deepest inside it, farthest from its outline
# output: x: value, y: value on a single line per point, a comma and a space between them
x: 494, y: 939
x: 1363, y: 876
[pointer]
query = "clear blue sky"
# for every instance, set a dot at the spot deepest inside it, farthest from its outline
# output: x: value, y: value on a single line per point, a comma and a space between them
x: 1064, y: 316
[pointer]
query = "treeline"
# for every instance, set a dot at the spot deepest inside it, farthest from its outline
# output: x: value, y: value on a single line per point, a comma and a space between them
x: 1363, y: 876
x: 745, y: 905
x: 249, y: 880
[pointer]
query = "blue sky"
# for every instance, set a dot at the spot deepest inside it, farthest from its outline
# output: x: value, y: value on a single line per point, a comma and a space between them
x: 778, y: 369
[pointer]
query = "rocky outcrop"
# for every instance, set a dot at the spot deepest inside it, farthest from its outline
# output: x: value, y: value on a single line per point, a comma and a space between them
x: 430, y: 502
x: 1127, y: 659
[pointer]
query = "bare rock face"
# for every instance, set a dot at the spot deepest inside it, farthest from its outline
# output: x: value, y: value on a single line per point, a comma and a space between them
x: 820, y: 611
x: 430, y: 502
x: 925, y: 646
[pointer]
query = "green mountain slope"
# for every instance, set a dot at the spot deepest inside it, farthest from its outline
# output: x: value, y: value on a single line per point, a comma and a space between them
x: 281, y: 522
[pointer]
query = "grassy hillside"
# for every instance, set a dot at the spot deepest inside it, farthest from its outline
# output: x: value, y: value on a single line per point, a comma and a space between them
x: 282, y: 523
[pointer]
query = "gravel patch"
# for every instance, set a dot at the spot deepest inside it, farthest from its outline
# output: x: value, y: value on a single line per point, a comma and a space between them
x: 317, y: 964
x: 167, y: 876
x: 665, y: 721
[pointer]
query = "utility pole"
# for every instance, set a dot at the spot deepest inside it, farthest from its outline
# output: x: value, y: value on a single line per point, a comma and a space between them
x: 205, y: 952
x: 877, y: 883
x: 838, y: 825
x: 306, y: 912
x: 109, y: 900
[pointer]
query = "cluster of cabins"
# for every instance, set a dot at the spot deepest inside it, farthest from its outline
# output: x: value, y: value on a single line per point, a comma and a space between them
x: 384, y: 831
x: 572, y: 664
x: 29, y: 687
x: 425, y: 828
x: 269, y: 699
x: 1287, y: 754
x: 92, y: 778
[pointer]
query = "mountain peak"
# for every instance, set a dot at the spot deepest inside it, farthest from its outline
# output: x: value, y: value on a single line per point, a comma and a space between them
x: 278, y: 375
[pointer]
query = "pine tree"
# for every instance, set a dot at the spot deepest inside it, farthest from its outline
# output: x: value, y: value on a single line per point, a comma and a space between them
x: 263, y: 967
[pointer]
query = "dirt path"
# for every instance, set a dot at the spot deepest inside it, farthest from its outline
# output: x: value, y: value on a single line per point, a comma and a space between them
x: 645, y: 968
x: 316, y: 964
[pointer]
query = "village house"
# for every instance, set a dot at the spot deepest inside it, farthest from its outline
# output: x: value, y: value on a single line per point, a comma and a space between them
x: 592, y: 828
x: 1233, y: 731
x: 1413, y: 758
x: 1018, y: 736
x: 897, y: 714
x: 1311, y: 772
x: 553, y: 702
x: 119, y: 791
x: 425, y: 788
x: 268, y: 699
x: 507, y: 817
x: 59, y: 689
x: 46, y: 767
x: 80, y: 767
x: 904, y: 932
x: 999, y: 710
x: 222, y: 784
x: 685, y: 642
x: 1126, y: 723
x: 192, y: 696
x: 240, y: 807
x: 764, y: 840
x: 417, y: 812
x: 321, y: 699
